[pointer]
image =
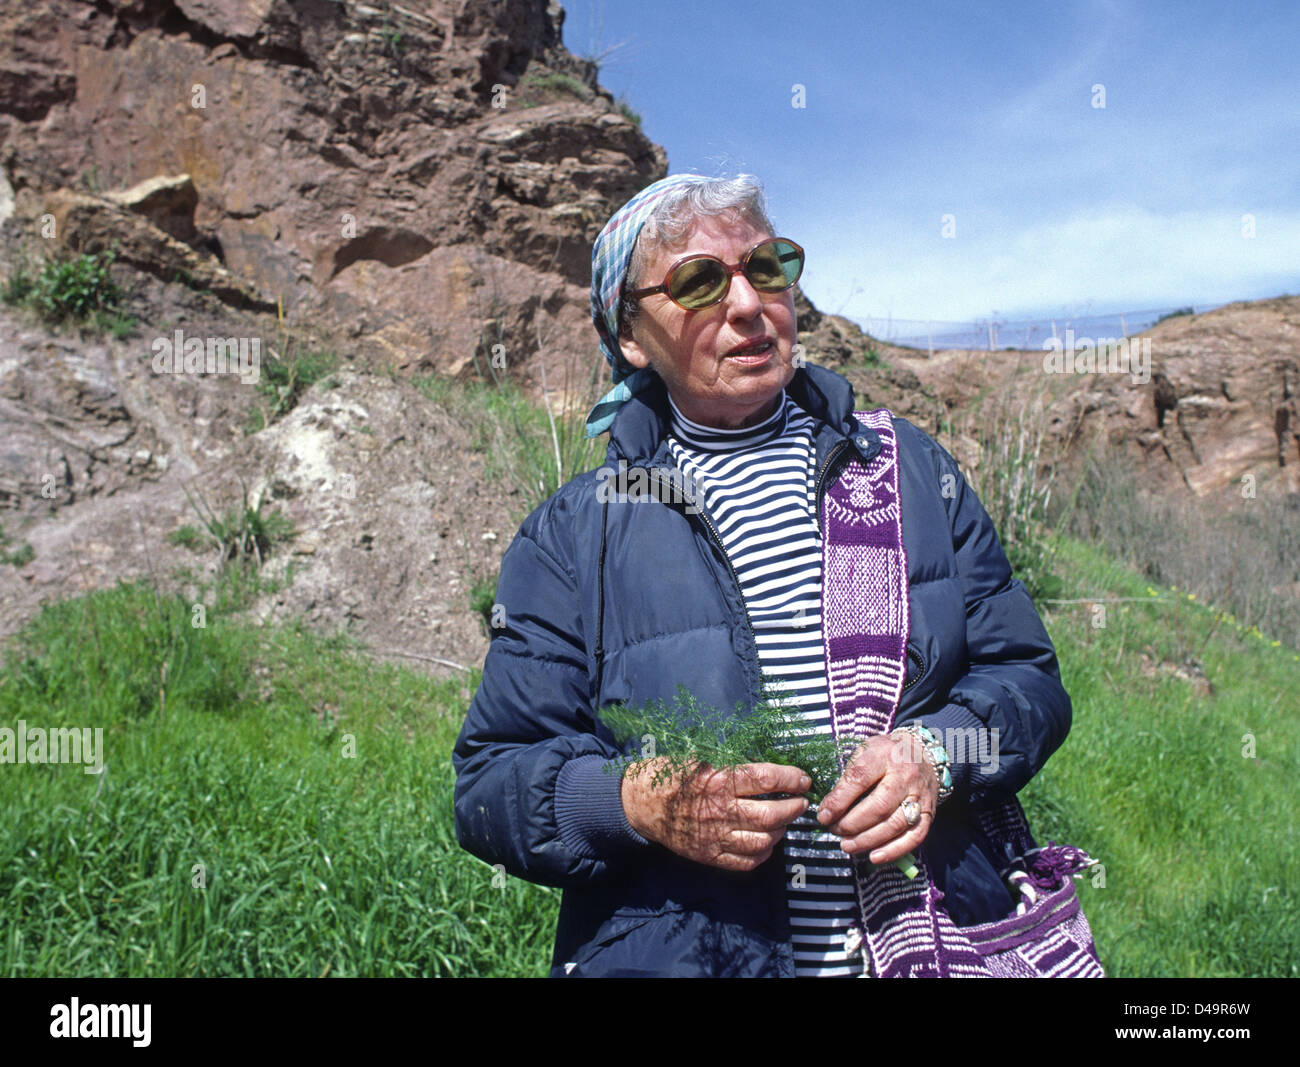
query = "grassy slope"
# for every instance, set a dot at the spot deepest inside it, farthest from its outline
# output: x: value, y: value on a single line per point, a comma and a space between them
x: 315, y: 861
x: 1198, y: 841
x: 318, y: 862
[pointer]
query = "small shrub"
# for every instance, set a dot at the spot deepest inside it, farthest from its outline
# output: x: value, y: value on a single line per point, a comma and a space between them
x: 530, y: 447
x: 482, y: 599
x: 20, y: 285
x: 120, y: 326
x: 242, y: 534
x: 552, y: 83
x: 18, y: 557
x: 628, y: 113
x: 393, y: 39
x: 1241, y: 554
x: 186, y: 537
x: 1175, y: 314
x: 75, y: 288
x: 1015, y: 490
x: 78, y: 290
x: 284, y: 380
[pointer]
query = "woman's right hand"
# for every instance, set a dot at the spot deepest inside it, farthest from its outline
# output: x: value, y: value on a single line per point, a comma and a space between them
x: 709, y: 815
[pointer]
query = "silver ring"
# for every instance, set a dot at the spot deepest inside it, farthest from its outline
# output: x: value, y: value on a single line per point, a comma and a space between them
x: 911, y: 810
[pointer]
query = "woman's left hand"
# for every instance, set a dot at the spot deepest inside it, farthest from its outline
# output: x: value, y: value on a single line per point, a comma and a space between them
x: 885, y: 770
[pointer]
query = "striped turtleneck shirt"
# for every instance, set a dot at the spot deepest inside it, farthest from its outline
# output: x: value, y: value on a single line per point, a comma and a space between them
x: 758, y: 491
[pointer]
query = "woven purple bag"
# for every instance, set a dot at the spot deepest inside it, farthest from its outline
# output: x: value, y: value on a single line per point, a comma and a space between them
x: 1047, y: 936
x: 905, y: 932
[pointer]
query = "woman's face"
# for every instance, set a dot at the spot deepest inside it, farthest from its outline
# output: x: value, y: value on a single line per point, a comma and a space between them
x: 724, y: 365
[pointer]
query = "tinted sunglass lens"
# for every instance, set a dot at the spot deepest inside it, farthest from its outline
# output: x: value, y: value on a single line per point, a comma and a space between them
x: 698, y: 283
x: 774, y: 266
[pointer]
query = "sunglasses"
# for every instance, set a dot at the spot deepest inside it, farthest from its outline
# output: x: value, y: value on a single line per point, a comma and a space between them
x: 701, y: 281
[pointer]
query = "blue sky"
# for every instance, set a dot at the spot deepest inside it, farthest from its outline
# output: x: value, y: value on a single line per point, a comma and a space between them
x: 985, y: 112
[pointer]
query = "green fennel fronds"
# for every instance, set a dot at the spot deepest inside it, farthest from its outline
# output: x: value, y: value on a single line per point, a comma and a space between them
x: 684, y: 736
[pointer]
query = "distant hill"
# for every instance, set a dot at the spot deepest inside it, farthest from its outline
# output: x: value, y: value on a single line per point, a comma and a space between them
x: 1196, y: 403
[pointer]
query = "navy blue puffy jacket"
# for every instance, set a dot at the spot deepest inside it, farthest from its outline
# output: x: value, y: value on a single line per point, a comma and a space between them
x: 626, y: 601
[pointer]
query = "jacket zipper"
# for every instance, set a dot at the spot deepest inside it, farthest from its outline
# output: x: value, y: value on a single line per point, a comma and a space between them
x: 821, y: 480
x: 717, y: 539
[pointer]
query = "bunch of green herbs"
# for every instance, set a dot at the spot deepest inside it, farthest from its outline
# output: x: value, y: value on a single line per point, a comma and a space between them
x: 684, y: 736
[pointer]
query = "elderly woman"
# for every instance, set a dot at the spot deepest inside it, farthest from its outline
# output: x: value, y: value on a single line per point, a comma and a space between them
x: 838, y: 561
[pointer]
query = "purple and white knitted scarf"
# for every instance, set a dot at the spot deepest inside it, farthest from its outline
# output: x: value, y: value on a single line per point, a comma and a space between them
x: 905, y: 933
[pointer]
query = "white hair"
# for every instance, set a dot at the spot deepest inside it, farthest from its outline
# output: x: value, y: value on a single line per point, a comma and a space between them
x: 673, y: 218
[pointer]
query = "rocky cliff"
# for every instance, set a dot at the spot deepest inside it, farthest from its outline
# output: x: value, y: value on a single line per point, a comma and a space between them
x: 410, y: 184
x: 423, y: 177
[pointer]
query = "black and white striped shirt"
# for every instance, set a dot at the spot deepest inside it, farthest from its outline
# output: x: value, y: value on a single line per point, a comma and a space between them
x: 758, y: 490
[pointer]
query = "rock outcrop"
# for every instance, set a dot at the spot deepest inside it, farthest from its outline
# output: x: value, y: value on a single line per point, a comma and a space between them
x: 395, y: 519
x: 1217, y: 402
x: 413, y: 184
x: 424, y: 178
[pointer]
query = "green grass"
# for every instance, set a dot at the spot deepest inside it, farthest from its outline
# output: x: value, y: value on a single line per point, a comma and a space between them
x: 16, y: 556
x: 482, y: 600
x: 283, y: 381
x: 522, y: 450
x: 320, y: 862
x: 314, y: 862
x: 1198, y: 842
x: 538, y: 86
x: 628, y: 111
x: 187, y: 536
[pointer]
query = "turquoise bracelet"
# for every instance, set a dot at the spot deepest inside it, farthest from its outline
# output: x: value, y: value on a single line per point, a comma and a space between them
x: 938, y: 756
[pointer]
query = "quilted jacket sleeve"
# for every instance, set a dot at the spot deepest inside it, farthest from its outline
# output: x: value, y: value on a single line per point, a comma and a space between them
x: 531, y: 790
x: 1013, y: 684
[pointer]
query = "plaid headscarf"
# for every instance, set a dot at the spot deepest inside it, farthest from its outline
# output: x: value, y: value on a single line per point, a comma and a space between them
x: 610, y: 256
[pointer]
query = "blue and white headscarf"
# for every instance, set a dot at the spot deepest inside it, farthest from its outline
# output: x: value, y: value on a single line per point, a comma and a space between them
x: 610, y: 256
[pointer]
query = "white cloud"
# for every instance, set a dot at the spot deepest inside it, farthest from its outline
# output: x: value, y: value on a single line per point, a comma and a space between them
x: 1114, y: 259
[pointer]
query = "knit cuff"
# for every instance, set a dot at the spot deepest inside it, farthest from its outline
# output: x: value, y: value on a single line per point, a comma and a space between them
x: 589, y: 810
